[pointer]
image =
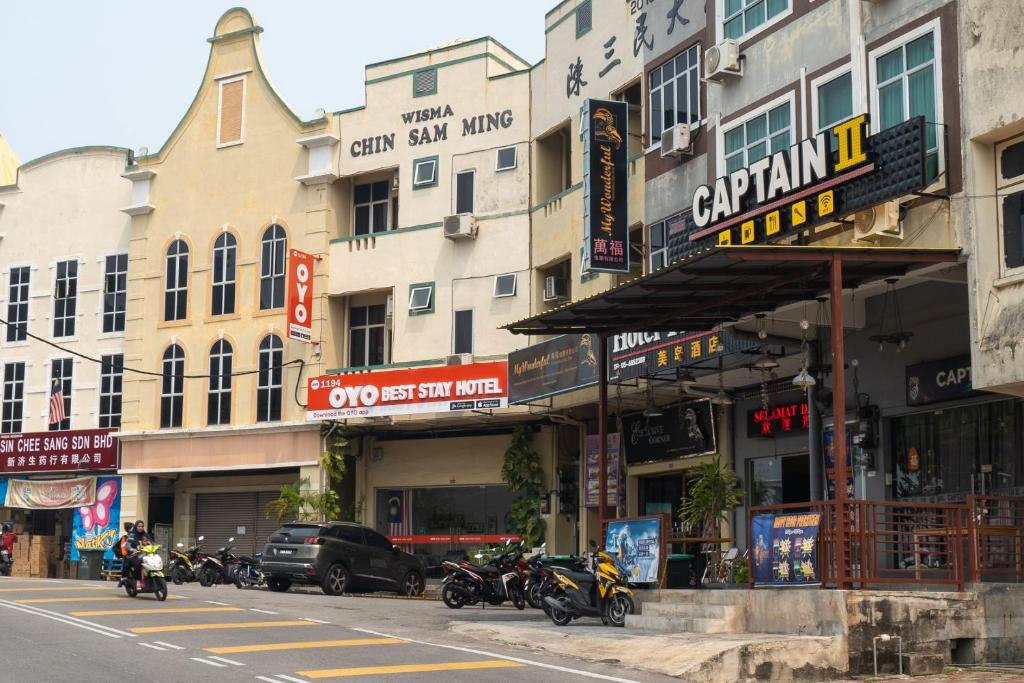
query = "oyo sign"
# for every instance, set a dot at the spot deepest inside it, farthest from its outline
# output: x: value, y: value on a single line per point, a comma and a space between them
x: 300, y: 295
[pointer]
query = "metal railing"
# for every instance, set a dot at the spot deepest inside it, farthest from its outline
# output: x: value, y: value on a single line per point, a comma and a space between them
x: 995, y: 538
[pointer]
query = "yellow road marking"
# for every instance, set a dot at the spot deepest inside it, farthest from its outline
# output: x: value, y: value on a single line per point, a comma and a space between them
x: 214, y: 627
x: 152, y: 610
x: 53, y: 588
x: 409, y: 668
x: 302, y: 645
x: 90, y: 598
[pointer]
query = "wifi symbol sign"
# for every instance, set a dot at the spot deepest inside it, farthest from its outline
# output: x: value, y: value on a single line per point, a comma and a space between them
x: 826, y: 203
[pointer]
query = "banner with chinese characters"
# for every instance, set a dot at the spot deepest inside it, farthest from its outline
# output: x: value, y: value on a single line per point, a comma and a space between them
x: 33, y: 494
x: 605, y: 228
x: 97, y: 526
x: 66, y: 451
x: 785, y: 549
x: 643, y: 354
x: 592, y: 471
x: 779, y: 420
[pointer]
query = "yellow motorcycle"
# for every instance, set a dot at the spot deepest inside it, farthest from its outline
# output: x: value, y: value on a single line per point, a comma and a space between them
x: 602, y: 592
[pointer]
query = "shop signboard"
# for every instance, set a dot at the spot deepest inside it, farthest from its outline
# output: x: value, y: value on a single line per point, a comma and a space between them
x: 828, y: 450
x: 605, y: 227
x: 642, y: 354
x: 98, y: 526
x: 785, y: 549
x: 591, y: 474
x: 947, y: 379
x: 300, y: 296
x: 476, y: 386
x: 635, y: 545
x: 683, y: 429
x: 67, y: 451
x: 35, y: 494
x: 805, y: 186
x: 552, y: 367
x: 780, y: 420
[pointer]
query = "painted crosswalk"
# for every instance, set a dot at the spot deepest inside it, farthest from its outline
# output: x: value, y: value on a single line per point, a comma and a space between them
x: 152, y: 610
x: 172, y: 628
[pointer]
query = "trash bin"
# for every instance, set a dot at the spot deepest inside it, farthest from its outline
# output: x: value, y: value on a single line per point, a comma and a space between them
x: 677, y: 574
x: 90, y: 565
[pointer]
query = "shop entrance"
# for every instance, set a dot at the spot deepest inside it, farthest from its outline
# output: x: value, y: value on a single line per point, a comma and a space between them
x: 779, y: 479
x: 662, y: 494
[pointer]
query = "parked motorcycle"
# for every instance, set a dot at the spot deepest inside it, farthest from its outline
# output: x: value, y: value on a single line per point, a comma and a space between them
x: 540, y: 577
x: 6, y: 562
x: 248, y: 571
x: 601, y: 592
x: 493, y: 583
x: 153, y: 580
x: 215, y: 568
x: 183, y: 564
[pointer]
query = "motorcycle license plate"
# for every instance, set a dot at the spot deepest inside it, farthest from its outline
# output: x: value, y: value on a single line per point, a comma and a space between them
x: 285, y: 551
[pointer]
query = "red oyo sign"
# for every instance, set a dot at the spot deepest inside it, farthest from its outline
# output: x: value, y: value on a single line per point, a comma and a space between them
x: 68, y: 451
x: 477, y: 386
x: 300, y: 296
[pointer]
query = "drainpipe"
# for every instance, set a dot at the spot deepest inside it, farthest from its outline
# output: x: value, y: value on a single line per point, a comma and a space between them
x: 858, y: 79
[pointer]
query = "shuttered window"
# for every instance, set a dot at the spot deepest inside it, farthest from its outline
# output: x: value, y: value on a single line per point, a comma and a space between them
x: 231, y: 116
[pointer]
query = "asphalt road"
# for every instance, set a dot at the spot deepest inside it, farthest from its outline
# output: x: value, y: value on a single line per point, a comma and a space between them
x: 56, y: 630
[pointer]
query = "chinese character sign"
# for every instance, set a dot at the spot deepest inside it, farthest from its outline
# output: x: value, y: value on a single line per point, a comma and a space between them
x: 66, y: 451
x: 606, y: 233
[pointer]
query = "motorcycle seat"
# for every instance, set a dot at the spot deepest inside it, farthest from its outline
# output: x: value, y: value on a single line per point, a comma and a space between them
x: 579, y: 578
x: 482, y: 569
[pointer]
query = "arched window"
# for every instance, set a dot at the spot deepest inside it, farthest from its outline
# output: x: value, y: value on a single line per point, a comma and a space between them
x: 224, y: 250
x: 176, y: 281
x: 268, y: 388
x: 172, y: 387
x: 272, y: 250
x: 218, y: 402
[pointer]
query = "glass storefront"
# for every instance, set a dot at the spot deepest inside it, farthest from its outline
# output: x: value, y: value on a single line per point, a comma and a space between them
x: 779, y: 479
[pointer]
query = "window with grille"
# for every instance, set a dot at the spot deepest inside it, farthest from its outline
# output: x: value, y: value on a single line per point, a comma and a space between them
x: 757, y: 137
x: 370, y: 207
x: 272, y: 251
x: 584, y: 17
x: 111, y: 380
x: 17, y: 304
x: 218, y: 402
x: 424, y: 82
x: 172, y: 387
x: 268, y: 388
x: 176, y: 282
x: 675, y: 92
x: 12, y: 409
x: 65, y: 299
x: 61, y: 370
x: 367, y: 335
x: 115, y: 292
x: 225, y: 260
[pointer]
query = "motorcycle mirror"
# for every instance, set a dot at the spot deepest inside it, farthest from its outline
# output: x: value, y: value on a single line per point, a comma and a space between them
x: 201, y: 538
x: 231, y: 540
x: 181, y: 545
x: 479, y: 556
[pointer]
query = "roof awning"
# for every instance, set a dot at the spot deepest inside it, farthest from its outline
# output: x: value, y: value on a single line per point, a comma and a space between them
x: 726, y: 284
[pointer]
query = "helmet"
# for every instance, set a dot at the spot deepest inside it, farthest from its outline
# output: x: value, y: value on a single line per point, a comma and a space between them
x: 7, y: 527
x: 128, y: 527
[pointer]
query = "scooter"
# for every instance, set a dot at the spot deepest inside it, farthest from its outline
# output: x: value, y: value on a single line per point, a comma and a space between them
x: 540, y: 581
x: 248, y: 571
x: 602, y: 592
x: 214, y: 568
x: 181, y: 567
x: 153, y: 580
x: 493, y: 583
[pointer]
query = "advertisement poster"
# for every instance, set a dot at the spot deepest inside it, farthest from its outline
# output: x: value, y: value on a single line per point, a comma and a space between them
x: 605, y: 227
x: 591, y: 480
x: 828, y: 449
x: 683, y: 429
x: 552, y: 367
x: 785, y: 549
x: 98, y: 526
x: 636, y: 546
x: 300, y: 296
x: 50, y: 495
x: 68, y: 451
x: 439, y: 389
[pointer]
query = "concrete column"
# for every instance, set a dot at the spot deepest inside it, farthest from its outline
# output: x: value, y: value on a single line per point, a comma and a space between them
x: 135, y: 497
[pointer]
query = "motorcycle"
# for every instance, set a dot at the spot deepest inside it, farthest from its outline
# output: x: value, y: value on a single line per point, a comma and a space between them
x: 248, y: 571
x: 216, y: 568
x: 182, y: 565
x: 6, y: 562
x: 493, y: 583
x: 601, y: 592
x: 153, y: 580
x: 540, y: 577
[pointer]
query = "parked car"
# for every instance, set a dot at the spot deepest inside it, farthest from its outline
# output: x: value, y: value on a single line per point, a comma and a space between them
x: 339, y: 557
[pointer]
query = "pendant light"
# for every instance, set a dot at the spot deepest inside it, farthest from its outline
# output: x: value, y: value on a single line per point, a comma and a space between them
x: 721, y: 398
x: 804, y: 380
x: 898, y: 337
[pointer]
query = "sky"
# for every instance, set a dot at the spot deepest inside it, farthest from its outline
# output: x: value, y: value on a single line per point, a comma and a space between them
x: 120, y: 72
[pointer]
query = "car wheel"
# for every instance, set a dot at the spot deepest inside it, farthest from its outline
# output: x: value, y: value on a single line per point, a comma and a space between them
x: 278, y: 585
x: 336, y: 580
x: 412, y: 585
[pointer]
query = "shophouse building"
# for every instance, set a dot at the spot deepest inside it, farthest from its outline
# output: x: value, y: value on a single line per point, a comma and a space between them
x: 8, y: 163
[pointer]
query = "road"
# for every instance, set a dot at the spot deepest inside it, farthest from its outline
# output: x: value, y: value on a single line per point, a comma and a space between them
x: 58, y: 630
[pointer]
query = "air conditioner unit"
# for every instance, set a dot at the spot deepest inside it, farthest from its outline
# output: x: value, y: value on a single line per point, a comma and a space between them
x: 722, y: 61
x: 459, y: 359
x: 879, y: 221
x: 675, y: 141
x: 556, y: 288
x: 460, y: 226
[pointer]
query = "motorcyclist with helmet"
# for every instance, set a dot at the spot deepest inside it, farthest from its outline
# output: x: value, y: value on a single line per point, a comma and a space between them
x: 137, y: 538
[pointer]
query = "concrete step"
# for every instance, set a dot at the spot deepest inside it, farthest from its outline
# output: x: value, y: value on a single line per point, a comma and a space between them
x: 692, y: 609
x: 703, y: 596
x: 671, y: 624
x: 923, y: 663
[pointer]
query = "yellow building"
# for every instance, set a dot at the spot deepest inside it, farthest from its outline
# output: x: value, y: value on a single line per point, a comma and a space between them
x: 214, y: 429
x: 8, y: 163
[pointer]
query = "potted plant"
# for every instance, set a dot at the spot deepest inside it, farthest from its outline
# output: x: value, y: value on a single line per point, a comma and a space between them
x: 712, y: 496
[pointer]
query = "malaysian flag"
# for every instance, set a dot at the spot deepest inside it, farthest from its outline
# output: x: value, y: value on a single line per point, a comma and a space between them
x: 400, y: 514
x: 57, y: 403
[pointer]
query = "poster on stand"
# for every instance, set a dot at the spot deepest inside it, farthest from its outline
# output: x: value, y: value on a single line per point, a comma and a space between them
x: 591, y: 476
x: 98, y: 526
x: 785, y: 549
x: 635, y: 544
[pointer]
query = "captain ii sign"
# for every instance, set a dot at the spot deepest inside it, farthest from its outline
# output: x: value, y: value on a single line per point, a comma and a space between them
x: 300, y: 295
x: 606, y: 234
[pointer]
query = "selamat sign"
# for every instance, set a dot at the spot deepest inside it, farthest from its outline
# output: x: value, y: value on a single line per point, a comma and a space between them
x: 300, y: 295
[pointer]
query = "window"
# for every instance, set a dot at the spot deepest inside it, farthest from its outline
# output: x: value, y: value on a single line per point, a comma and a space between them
x: 366, y: 336
x: 12, y: 409
x: 268, y: 387
x: 657, y: 241
x: 743, y: 16
x: 758, y: 137
x: 17, y: 304
x: 834, y: 104
x: 65, y: 299
x: 225, y: 259
x: 505, y: 285
x: 584, y: 18
x: 349, y: 534
x: 421, y: 298
x: 172, y: 387
x: 231, y: 112
x: 779, y: 480
x: 464, y: 192
x: 906, y: 86
x: 60, y: 372
x: 1013, y: 229
x: 272, y: 251
x: 506, y: 158
x: 1011, y: 162
x: 218, y: 402
x: 115, y: 289
x: 424, y: 82
x: 370, y: 210
x: 176, y: 282
x: 675, y: 92
x: 111, y: 379
x: 463, y: 337
x: 424, y: 173
x: 375, y: 540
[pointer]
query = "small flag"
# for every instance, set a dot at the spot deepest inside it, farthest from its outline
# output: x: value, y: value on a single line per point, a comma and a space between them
x: 56, y: 403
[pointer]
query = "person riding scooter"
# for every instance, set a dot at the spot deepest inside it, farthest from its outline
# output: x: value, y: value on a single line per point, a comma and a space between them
x: 137, y: 538
x: 7, y: 549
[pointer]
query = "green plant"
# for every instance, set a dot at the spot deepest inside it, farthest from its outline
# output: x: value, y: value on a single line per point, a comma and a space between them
x: 524, y: 475
x: 713, y: 495
x: 296, y: 500
x: 741, y: 570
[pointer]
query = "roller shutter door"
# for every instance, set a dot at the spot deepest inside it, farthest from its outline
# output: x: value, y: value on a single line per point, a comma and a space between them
x: 219, y: 515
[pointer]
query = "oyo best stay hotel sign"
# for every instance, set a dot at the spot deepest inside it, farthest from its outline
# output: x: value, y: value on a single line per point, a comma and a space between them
x: 441, y: 389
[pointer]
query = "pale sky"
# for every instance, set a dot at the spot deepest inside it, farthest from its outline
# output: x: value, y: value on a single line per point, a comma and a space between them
x: 123, y: 72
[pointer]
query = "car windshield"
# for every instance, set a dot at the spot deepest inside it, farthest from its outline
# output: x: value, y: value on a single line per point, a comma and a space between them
x: 295, y: 533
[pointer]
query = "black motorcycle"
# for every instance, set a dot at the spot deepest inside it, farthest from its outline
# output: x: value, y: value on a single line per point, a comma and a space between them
x: 493, y: 583
x: 183, y: 564
x: 6, y: 562
x: 540, y: 580
x: 247, y: 571
x: 215, y: 568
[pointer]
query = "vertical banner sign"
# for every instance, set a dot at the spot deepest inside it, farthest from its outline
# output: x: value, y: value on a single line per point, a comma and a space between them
x: 98, y: 526
x: 591, y: 473
x: 785, y: 549
x: 606, y: 233
x: 300, y: 295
